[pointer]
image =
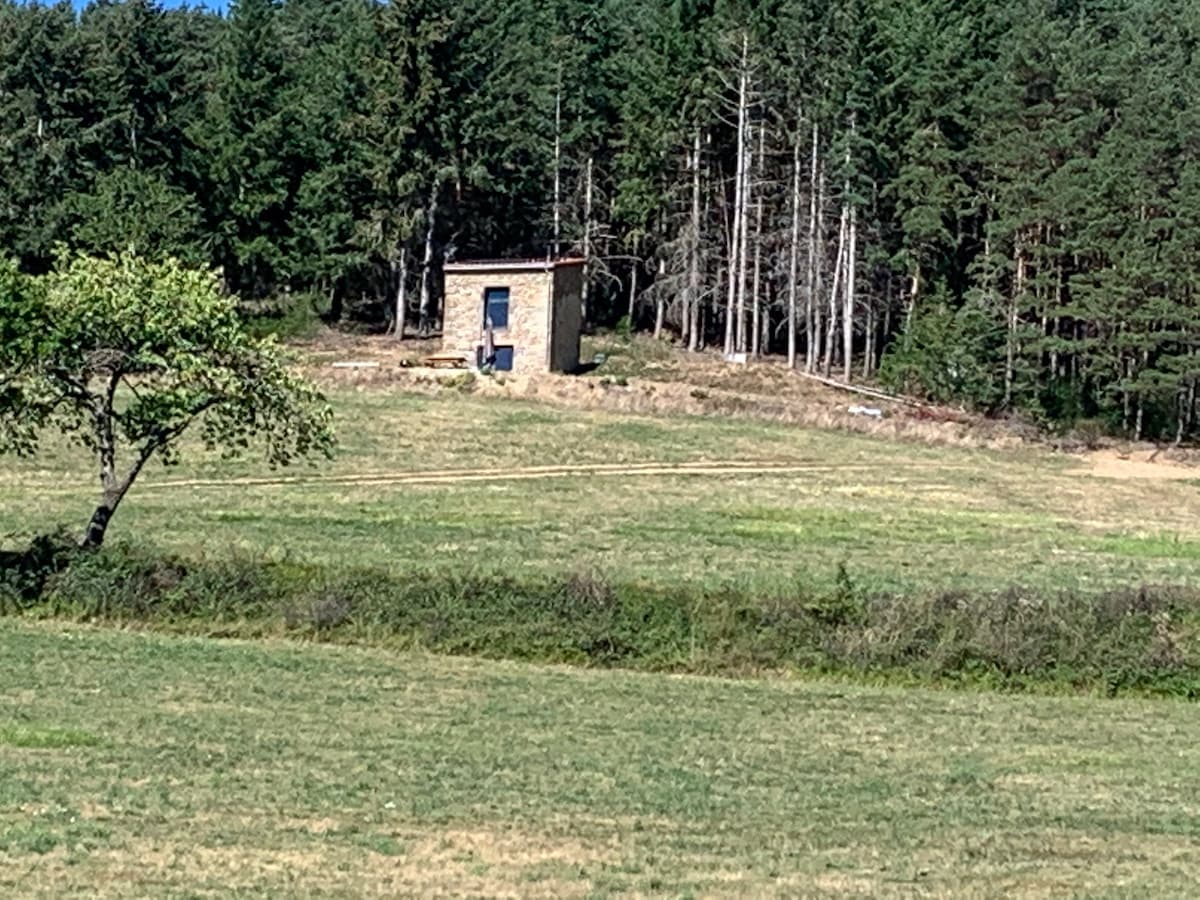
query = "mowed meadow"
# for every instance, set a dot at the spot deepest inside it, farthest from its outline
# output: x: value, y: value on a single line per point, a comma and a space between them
x: 447, y: 479
x: 142, y: 765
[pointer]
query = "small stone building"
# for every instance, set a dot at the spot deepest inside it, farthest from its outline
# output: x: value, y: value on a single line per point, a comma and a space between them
x: 534, y: 309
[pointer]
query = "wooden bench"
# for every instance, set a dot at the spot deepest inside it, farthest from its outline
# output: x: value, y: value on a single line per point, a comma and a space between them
x: 446, y: 360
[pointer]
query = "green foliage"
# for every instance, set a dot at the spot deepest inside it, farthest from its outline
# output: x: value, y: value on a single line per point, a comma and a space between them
x: 20, y: 300
x: 290, y: 317
x: 129, y: 210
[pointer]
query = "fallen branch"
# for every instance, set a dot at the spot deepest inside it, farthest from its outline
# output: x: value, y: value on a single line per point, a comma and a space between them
x: 866, y: 392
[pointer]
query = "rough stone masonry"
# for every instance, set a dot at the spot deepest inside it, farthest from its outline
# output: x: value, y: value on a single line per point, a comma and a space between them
x: 545, y: 317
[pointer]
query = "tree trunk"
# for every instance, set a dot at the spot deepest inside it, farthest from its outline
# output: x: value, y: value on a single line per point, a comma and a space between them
x: 336, y: 304
x: 633, y: 285
x: 557, y: 241
x: 734, y: 331
x: 1141, y: 402
x: 93, y: 538
x: 660, y: 313
x: 693, y: 339
x: 914, y: 290
x: 1010, y: 343
x: 831, y: 324
x: 587, y: 241
x: 426, y: 310
x: 794, y: 257
x: 113, y: 487
x: 757, y: 320
x: 848, y: 308
x: 851, y: 264
x: 401, y: 285
x: 869, y: 349
x: 744, y: 243
x: 816, y: 203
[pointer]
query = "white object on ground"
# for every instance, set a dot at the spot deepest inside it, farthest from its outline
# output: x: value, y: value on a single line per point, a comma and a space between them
x: 866, y: 411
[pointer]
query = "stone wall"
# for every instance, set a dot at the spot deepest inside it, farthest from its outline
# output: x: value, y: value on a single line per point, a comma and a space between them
x: 528, y: 329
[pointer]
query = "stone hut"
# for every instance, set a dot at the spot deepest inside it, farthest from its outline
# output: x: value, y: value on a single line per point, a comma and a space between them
x: 532, y: 309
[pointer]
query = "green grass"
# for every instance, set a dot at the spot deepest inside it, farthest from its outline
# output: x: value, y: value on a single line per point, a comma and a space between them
x: 275, y: 769
x: 899, y: 515
x: 30, y: 737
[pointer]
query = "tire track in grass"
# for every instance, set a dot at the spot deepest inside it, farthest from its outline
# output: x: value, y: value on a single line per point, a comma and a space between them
x: 536, y: 473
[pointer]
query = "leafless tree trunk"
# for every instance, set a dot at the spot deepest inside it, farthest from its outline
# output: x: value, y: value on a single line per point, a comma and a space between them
x: 587, y: 239
x: 660, y: 314
x: 794, y: 258
x: 735, y: 331
x: 757, y: 321
x: 815, y: 253
x: 831, y: 324
x: 1141, y: 403
x: 558, y: 169
x: 692, y: 314
x: 1010, y: 343
x: 633, y: 284
x: 913, y: 291
x: 869, y: 350
x: 743, y: 262
x: 851, y: 270
x: 848, y: 308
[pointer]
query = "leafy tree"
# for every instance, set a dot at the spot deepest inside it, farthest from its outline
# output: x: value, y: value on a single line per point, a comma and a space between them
x: 125, y: 356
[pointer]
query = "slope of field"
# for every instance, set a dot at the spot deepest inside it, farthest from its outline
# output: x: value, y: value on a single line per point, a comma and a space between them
x: 149, y: 766
x: 501, y: 483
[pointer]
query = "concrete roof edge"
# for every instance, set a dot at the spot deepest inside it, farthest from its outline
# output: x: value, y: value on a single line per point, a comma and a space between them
x: 510, y: 265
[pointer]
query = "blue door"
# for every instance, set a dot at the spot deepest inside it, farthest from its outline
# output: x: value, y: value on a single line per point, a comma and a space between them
x: 504, y: 359
x: 501, y: 361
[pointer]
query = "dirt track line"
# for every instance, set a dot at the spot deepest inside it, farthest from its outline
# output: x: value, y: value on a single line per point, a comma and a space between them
x: 535, y: 473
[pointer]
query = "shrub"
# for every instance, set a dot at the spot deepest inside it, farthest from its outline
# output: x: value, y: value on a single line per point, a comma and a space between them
x: 1143, y: 639
x: 947, y: 356
x: 24, y: 573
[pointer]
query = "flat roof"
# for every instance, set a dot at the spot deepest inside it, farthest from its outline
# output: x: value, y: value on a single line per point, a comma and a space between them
x: 509, y: 265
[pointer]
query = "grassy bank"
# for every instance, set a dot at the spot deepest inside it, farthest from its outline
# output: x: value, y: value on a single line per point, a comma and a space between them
x: 142, y: 765
x: 1142, y: 640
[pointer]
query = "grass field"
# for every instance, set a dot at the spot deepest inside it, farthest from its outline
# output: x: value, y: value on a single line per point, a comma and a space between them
x: 896, y: 514
x: 151, y: 766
